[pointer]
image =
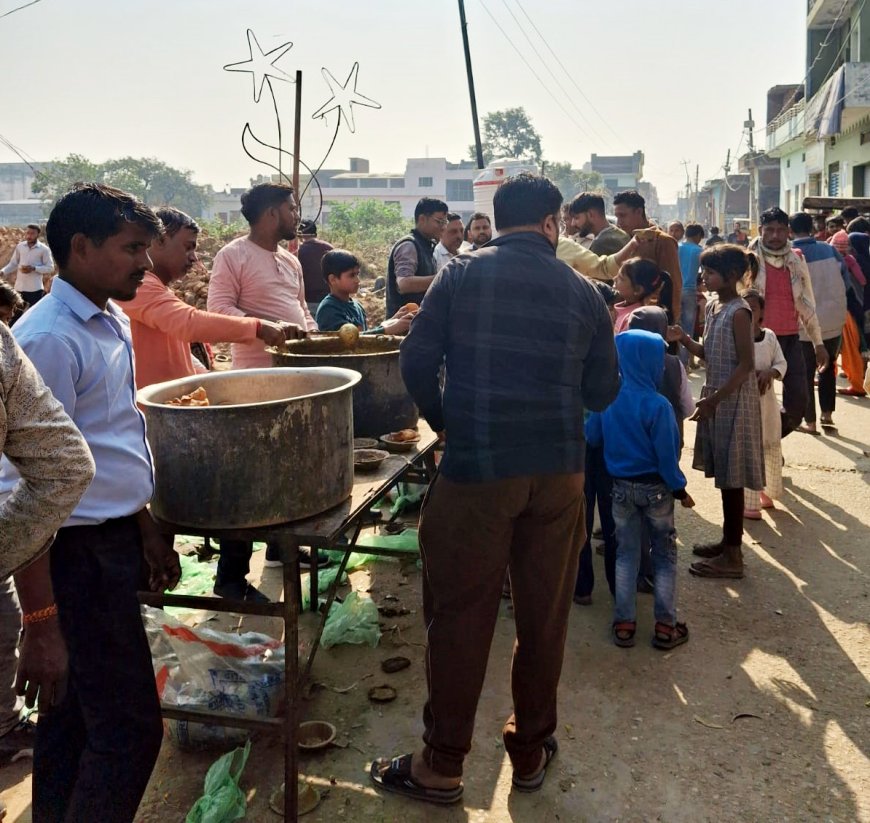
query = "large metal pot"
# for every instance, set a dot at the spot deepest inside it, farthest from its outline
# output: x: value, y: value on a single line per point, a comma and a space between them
x: 381, y: 403
x: 274, y: 445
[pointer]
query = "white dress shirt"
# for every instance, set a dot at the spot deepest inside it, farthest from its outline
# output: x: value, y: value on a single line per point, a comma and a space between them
x: 39, y: 256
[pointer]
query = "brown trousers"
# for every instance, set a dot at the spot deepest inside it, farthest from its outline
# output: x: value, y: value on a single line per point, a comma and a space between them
x: 470, y: 533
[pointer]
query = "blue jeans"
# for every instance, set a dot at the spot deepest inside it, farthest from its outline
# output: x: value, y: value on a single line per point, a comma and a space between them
x: 652, y: 504
x: 688, y: 312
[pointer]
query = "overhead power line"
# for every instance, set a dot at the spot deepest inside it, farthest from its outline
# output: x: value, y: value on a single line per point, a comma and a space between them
x: 569, y: 74
x: 534, y: 73
x: 552, y: 73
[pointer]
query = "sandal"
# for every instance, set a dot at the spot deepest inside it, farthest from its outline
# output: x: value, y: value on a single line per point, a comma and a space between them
x: 751, y: 514
x: 669, y: 637
x: 395, y: 776
x: 807, y: 430
x: 707, y: 549
x: 712, y: 569
x: 623, y: 633
x: 533, y: 783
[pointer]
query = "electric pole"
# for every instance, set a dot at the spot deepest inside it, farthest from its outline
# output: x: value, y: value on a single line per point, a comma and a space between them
x: 477, y: 144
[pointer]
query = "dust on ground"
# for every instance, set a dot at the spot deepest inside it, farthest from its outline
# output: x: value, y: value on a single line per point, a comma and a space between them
x: 763, y: 715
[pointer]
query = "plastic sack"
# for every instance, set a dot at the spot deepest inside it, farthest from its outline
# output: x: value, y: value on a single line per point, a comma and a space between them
x: 216, y: 671
x: 222, y: 800
x: 354, y: 621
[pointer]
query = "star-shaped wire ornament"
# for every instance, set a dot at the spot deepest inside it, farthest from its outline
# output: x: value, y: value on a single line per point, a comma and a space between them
x: 261, y: 65
x: 343, y: 98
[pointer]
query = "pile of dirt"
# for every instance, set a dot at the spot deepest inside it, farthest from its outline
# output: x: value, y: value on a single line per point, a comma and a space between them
x: 10, y: 237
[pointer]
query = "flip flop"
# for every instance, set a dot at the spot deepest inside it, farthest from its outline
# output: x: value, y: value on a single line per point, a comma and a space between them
x: 533, y: 783
x: 704, y: 568
x: 395, y: 776
x: 813, y: 432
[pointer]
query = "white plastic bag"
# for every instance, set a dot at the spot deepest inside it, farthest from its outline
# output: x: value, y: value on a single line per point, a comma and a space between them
x: 216, y: 671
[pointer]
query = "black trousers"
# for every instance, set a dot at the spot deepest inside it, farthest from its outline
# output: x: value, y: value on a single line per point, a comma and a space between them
x: 95, y: 752
x: 794, y: 384
x: 827, y: 379
x: 599, y: 486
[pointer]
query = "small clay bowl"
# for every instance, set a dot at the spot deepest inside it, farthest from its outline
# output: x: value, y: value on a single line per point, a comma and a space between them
x: 368, y: 459
x: 365, y: 443
x: 308, y: 799
x: 399, y: 445
x: 315, y: 735
x: 382, y: 694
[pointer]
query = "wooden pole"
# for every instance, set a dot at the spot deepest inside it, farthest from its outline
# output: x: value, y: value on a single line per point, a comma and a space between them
x: 297, y: 133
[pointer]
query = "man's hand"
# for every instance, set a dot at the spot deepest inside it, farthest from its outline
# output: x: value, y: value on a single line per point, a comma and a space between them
x: 397, y: 325
x: 272, y: 334
x: 160, y: 555
x: 26, y: 269
x: 822, y: 359
x: 688, y: 502
x: 42, y: 665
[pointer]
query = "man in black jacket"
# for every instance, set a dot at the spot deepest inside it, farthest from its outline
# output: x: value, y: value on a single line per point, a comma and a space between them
x: 528, y: 346
x: 411, y: 267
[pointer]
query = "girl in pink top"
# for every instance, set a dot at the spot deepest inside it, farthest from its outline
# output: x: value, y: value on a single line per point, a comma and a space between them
x: 641, y: 283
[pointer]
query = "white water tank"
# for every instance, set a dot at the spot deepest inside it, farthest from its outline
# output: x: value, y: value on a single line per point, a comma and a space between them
x: 492, y: 177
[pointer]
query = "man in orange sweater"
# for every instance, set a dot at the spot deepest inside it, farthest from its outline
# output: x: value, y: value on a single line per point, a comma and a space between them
x: 164, y: 326
x: 630, y: 210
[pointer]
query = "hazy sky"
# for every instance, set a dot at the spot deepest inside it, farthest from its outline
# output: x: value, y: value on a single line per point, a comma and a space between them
x: 106, y: 78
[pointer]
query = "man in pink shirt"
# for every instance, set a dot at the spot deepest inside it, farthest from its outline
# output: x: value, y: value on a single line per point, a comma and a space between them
x: 163, y: 326
x: 254, y: 277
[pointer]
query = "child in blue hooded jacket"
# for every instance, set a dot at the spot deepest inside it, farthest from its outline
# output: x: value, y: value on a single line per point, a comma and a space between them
x: 641, y: 449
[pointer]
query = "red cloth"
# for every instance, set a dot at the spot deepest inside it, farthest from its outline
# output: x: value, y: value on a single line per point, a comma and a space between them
x: 780, y: 315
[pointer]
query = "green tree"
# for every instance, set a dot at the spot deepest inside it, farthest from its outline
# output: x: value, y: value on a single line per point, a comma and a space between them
x: 509, y: 133
x: 152, y: 180
x: 572, y: 181
x: 366, y: 221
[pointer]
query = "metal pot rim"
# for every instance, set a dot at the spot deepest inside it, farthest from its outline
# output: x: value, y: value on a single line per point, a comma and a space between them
x: 174, y: 388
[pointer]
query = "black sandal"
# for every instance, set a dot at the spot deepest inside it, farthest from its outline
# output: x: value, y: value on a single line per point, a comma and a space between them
x: 533, y: 783
x: 669, y: 637
x: 623, y: 633
x: 395, y: 776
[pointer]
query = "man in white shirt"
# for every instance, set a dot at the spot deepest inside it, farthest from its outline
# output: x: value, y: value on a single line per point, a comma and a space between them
x: 32, y: 263
x: 451, y: 240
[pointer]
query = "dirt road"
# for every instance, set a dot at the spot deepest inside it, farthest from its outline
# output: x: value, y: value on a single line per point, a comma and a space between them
x: 644, y: 735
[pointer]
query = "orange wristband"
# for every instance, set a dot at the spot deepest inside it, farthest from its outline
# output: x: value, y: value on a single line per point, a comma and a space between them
x: 40, y: 615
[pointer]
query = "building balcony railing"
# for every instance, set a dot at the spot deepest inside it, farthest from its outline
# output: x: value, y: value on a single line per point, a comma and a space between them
x: 786, y: 127
x: 821, y: 14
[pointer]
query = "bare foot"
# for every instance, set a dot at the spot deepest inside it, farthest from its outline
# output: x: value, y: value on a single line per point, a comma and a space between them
x: 428, y: 777
x: 541, y: 766
x: 766, y: 502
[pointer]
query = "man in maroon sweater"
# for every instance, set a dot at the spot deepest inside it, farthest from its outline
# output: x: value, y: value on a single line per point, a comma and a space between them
x: 310, y: 254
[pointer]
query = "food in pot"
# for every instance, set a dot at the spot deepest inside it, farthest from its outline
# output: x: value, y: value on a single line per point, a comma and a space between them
x: 349, y: 335
x: 404, y: 436
x: 197, y: 397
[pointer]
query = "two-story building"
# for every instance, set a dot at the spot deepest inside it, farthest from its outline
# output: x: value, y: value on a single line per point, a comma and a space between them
x: 422, y: 177
x: 820, y: 129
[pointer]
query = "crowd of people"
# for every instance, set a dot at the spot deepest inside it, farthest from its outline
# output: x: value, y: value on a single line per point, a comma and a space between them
x: 553, y: 363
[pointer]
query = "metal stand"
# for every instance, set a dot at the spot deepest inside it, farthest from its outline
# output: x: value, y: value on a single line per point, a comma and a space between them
x: 321, y: 531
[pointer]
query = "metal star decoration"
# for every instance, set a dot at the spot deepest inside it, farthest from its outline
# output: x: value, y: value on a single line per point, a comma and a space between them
x: 261, y: 65
x: 344, y: 98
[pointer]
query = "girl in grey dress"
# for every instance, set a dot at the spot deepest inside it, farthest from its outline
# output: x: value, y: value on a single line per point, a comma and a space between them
x: 728, y: 444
